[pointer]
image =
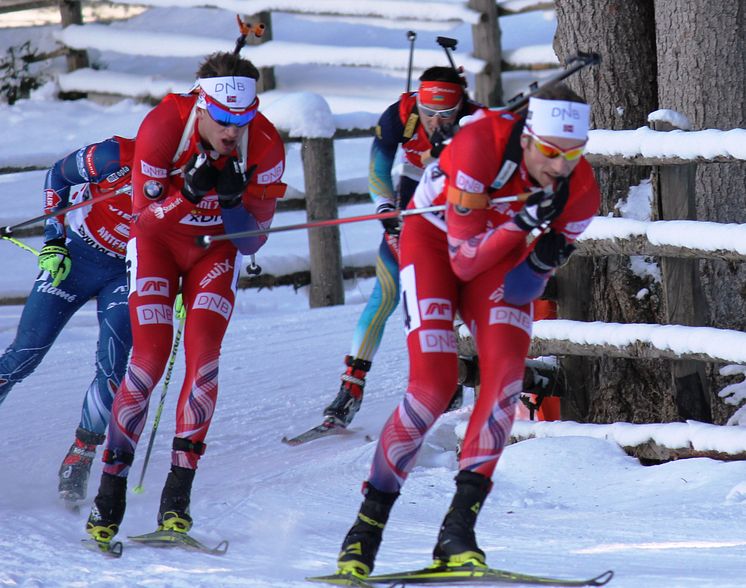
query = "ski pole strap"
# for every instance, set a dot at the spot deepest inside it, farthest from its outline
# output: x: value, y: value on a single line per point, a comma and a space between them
x: 20, y: 244
x: 188, y: 446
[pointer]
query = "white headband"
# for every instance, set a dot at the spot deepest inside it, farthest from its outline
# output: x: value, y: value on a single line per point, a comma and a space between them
x: 232, y: 92
x: 558, y: 118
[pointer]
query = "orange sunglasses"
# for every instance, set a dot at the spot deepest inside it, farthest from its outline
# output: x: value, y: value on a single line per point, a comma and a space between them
x: 551, y: 151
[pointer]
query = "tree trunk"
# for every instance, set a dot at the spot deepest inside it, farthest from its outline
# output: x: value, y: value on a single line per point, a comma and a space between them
x: 701, y: 73
x: 622, y: 92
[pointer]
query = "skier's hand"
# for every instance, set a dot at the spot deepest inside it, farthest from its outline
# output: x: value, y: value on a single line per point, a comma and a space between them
x: 55, y: 259
x: 392, y: 225
x: 551, y: 251
x: 540, y: 209
x: 440, y: 138
x: 232, y: 182
x: 199, y: 178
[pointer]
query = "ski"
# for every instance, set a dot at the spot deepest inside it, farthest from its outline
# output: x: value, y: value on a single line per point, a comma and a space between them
x: 176, y: 539
x: 341, y: 580
x: 108, y: 548
x: 469, y: 574
x: 325, y: 429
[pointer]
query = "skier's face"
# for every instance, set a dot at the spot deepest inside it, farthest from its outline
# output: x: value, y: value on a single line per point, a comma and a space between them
x: 433, y: 117
x: 549, y: 158
x: 220, y: 137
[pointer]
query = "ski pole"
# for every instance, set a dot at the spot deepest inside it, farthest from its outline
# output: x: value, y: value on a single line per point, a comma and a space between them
x: 411, y: 36
x: 181, y: 314
x: 7, y: 231
x: 21, y: 244
x: 206, y: 240
x: 575, y: 63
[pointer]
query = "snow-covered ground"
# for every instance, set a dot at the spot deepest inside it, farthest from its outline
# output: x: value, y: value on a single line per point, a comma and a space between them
x: 567, y: 506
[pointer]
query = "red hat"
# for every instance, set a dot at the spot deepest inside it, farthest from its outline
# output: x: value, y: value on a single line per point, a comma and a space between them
x: 442, y: 95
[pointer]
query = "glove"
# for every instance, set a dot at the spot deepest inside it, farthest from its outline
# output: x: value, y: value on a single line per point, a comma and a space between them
x: 551, y: 251
x: 439, y: 139
x: 199, y: 178
x: 179, y: 308
x: 55, y: 259
x: 540, y: 208
x: 392, y: 226
x: 232, y: 182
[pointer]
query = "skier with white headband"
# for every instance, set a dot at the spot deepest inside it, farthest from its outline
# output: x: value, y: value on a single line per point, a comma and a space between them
x: 206, y: 162
x: 488, y: 263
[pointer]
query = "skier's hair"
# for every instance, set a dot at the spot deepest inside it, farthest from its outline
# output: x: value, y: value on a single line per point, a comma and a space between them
x: 221, y: 64
x: 442, y: 74
x: 559, y: 91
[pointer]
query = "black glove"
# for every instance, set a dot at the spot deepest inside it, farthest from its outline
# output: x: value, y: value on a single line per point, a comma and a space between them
x: 392, y: 226
x: 439, y: 139
x: 232, y: 183
x: 551, y: 251
x: 199, y: 178
x: 541, y: 207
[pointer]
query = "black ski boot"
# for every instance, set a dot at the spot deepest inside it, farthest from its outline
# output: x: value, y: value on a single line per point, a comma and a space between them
x: 173, y: 514
x: 360, y: 545
x: 350, y: 396
x: 108, y: 508
x: 457, y: 544
x: 76, y: 467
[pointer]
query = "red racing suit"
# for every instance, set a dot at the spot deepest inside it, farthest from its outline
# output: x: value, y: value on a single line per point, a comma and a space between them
x: 460, y: 266
x: 162, y: 252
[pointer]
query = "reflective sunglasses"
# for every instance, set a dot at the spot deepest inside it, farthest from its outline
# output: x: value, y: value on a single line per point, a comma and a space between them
x: 226, y: 118
x: 447, y: 113
x: 551, y: 151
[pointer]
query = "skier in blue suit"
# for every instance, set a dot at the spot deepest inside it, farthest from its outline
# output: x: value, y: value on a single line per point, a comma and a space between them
x: 79, y: 262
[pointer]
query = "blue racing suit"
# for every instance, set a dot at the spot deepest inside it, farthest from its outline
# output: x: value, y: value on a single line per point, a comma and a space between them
x: 96, y: 243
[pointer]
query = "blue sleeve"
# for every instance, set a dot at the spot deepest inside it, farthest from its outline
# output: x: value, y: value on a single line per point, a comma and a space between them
x: 237, y: 220
x: 90, y: 164
x: 389, y: 135
x: 523, y: 285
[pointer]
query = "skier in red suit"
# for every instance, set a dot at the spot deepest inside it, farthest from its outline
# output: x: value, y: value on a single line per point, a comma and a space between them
x: 488, y: 261
x: 205, y: 163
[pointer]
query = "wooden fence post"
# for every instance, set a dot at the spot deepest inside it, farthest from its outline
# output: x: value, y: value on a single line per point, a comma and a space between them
x: 71, y: 13
x: 266, y: 74
x: 685, y: 303
x: 320, y: 178
x: 486, y: 39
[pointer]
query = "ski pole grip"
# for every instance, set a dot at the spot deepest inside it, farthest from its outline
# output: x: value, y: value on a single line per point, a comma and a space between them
x: 203, y: 241
x: 6, y: 231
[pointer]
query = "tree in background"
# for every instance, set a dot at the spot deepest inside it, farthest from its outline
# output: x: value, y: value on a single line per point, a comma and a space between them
x: 701, y: 54
x: 622, y: 92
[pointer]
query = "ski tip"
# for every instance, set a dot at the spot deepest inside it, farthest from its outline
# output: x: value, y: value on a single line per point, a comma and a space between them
x: 603, y: 579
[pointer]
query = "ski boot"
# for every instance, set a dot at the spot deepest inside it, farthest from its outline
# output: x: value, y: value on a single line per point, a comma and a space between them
x: 76, y: 467
x: 173, y: 514
x: 360, y: 545
x: 108, y: 509
x: 350, y: 396
x: 457, y: 544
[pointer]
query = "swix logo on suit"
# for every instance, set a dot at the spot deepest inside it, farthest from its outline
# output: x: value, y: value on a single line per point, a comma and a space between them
x: 220, y: 268
x: 153, y: 171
